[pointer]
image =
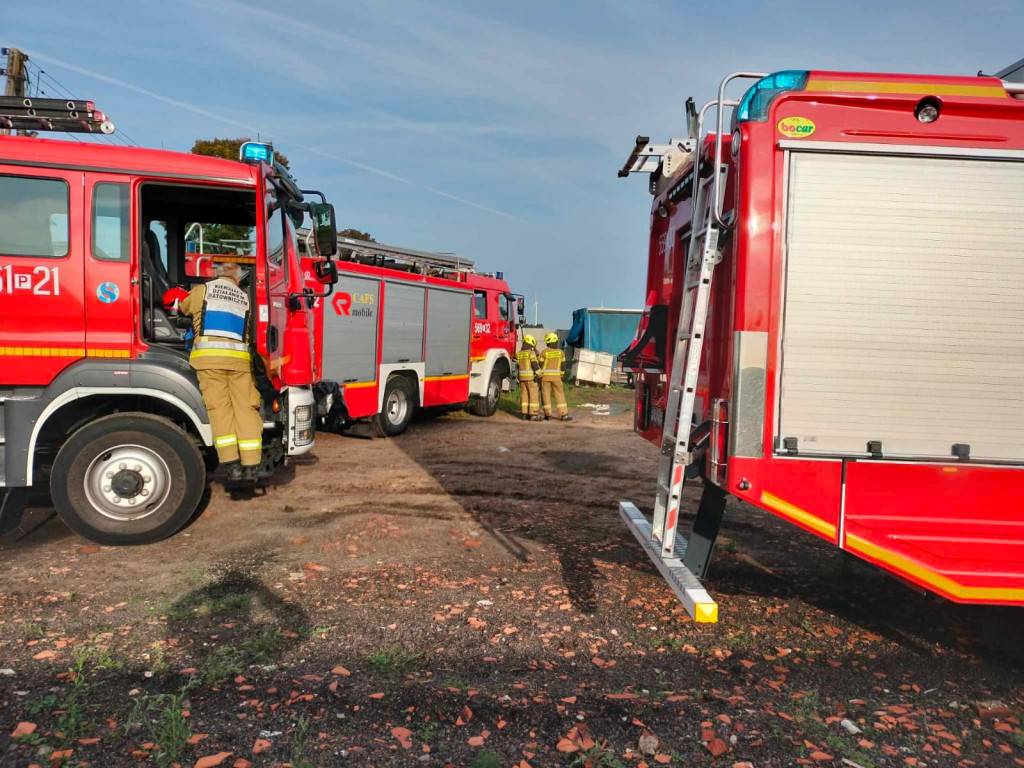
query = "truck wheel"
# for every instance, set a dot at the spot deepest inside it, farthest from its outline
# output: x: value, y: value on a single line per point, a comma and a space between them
x: 398, y: 408
x: 488, y: 404
x: 127, y: 479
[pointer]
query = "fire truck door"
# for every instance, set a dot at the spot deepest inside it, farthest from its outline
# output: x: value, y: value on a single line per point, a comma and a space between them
x: 109, y: 301
x: 506, y: 329
x: 42, y: 322
x: 271, y: 305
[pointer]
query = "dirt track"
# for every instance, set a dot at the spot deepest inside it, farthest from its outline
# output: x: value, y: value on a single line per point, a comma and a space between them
x: 467, y: 595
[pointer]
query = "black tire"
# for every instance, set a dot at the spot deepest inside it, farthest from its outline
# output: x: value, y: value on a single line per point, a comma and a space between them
x: 399, y: 404
x: 488, y: 404
x: 133, y: 450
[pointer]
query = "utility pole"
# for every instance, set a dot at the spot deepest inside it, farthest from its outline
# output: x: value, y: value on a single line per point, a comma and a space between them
x: 15, y: 72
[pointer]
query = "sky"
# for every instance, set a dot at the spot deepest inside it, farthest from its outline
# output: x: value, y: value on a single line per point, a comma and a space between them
x: 491, y: 130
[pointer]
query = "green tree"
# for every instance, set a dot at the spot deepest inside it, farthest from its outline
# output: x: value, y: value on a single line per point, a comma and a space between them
x: 228, y: 149
x: 357, y: 234
x: 216, y: 237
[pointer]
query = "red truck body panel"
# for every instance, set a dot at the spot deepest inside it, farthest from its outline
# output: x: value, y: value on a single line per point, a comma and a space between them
x: 953, y: 527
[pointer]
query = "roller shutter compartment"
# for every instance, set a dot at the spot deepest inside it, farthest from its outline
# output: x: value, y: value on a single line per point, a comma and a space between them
x: 904, y: 306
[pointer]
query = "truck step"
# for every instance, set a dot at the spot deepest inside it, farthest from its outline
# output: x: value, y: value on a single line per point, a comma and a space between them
x: 688, y: 589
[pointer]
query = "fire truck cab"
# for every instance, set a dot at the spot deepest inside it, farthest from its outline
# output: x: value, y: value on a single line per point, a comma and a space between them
x: 97, y: 399
x: 833, y: 327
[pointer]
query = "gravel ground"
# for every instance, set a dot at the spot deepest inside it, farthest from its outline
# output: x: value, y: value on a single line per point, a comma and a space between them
x: 466, y: 595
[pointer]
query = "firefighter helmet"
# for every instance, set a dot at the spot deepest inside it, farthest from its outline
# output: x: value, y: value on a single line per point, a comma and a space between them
x: 551, y: 338
x: 174, y: 297
x: 529, y: 340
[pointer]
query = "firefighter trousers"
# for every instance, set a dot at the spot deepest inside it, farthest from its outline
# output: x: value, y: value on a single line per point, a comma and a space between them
x: 233, y: 404
x: 529, y: 397
x: 551, y: 387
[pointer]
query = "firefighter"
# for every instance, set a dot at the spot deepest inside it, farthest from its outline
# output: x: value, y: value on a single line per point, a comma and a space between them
x: 223, y: 363
x: 528, y: 363
x: 551, y: 378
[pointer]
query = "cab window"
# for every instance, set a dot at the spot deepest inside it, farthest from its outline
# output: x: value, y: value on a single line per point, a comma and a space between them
x: 480, y: 305
x: 503, y: 309
x: 275, y: 232
x: 111, y: 226
x: 33, y: 217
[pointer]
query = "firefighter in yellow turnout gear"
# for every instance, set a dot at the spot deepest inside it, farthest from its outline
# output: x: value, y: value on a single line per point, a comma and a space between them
x: 551, y: 378
x: 528, y: 363
x: 223, y: 363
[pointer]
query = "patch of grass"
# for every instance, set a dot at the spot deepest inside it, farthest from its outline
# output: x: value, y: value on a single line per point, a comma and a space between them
x: 457, y: 684
x: 394, y: 658
x: 45, y: 704
x: 162, y: 716
x: 102, y: 659
x: 486, y: 759
x: 598, y: 756
x: 315, y: 632
x: 426, y: 732
x: 1018, y: 740
x: 158, y: 660
x: 34, y: 631
x: 229, y: 661
x: 839, y: 745
x: 300, y: 740
x: 195, y: 575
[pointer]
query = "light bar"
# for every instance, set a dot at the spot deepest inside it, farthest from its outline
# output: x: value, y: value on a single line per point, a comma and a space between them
x: 755, y: 102
x: 255, y: 152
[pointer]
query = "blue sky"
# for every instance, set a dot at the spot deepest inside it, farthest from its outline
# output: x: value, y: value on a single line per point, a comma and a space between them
x: 490, y: 130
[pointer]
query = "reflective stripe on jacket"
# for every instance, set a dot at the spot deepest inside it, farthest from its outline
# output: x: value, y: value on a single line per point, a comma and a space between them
x: 553, y: 359
x: 220, y: 321
x: 526, y: 361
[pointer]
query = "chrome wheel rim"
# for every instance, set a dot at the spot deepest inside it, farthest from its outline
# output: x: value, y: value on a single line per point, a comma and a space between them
x: 127, y: 482
x: 397, y: 407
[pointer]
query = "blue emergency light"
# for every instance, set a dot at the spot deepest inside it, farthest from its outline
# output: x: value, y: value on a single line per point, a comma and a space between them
x: 500, y: 275
x: 757, y: 100
x: 256, y: 152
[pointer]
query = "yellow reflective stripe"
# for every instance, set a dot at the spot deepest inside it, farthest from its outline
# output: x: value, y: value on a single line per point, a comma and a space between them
x: 250, y: 445
x: 220, y: 353
x: 446, y: 378
x: 938, y: 581
x: 925, y: 89
x: 359, y: 384
x: 220, y: 442
x: 786, y: 509
x: 63, y: 352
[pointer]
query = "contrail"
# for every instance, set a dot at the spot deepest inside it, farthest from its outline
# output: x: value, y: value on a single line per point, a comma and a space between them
x: 254, y: 129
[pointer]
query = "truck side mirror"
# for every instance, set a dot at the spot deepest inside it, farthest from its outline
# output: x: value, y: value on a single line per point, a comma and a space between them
x: 326, y: 272
x: 521, y: 305
x: 325, y: 229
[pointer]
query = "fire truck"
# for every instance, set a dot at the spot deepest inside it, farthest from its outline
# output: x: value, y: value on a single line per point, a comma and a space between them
x: 99, y: 404
x: 834, y: 322
x: 409, y: 329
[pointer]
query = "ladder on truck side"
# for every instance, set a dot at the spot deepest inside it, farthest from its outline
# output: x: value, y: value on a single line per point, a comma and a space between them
x: 681, y: 561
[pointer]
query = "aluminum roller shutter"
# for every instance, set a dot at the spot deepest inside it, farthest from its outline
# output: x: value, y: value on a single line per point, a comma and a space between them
x: 904, y: 306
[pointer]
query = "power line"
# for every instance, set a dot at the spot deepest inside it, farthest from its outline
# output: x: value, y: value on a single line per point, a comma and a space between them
x: 45, y: 80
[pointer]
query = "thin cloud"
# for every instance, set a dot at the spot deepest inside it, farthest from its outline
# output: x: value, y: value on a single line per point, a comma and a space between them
x: 254, y: 129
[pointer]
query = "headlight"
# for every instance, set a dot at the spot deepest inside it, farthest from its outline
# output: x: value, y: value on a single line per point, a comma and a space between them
x: 303, y: 424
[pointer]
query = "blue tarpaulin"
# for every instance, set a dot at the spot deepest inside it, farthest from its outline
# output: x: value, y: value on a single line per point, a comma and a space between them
x: 603, y: 330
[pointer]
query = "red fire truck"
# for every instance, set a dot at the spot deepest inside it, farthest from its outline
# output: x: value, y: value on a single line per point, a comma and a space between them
x: 833, y: 324
x: 408, y: 329
x: 98, y: 400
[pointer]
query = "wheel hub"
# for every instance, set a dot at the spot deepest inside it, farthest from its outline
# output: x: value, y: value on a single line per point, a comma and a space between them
x: 127, y: 482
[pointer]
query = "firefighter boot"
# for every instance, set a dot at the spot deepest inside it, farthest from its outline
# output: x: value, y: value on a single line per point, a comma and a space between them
x: 565, y: 417
x: 251, y: 472
x: 234, y: 471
